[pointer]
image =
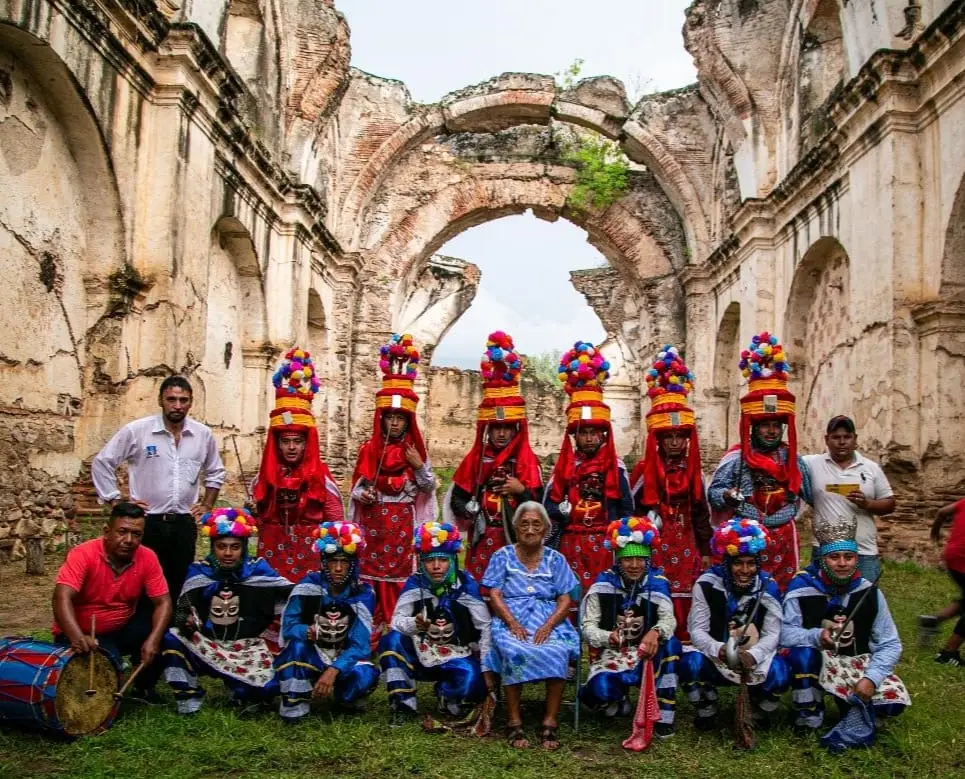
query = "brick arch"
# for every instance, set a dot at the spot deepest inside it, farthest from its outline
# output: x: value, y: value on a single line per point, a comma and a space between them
x: 652, y: 304
x: 505, y: 108
x: 412, y: 238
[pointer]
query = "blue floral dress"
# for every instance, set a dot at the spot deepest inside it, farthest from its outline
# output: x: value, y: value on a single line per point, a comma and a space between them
x: 531, y: 597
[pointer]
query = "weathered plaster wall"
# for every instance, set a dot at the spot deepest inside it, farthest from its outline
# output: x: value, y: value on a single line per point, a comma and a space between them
x: 169, y: 203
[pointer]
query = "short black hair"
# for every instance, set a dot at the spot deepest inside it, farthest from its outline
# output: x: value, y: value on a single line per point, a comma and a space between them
x: 836, y: 423
x: 125, y: 510
x: 175, y: 381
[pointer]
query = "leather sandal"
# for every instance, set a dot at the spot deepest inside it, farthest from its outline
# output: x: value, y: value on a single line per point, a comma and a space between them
x: 516, y: 738
x: 549, y: 738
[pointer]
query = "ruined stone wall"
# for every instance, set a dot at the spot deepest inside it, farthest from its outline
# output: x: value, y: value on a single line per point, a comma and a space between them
x: 173, y: 211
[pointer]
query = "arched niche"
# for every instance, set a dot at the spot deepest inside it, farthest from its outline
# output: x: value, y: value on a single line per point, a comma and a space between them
x: 818, y: 339
x: 62, y: 240
x: 237, y: 357
x: 726, y: 388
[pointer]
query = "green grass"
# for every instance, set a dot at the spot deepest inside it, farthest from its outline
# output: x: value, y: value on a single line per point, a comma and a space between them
x: 928, y: 740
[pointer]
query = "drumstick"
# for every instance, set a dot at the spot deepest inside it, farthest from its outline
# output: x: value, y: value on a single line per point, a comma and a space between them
x: 90, y: 656
x: 120, y: 693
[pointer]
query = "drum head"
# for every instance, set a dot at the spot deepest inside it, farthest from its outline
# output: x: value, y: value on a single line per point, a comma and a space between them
x: 78, y: 712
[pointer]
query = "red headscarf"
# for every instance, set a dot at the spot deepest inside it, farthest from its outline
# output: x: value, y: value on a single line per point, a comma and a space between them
x: 295, y: 386
x: 474, y: 471
x: 567, y: 473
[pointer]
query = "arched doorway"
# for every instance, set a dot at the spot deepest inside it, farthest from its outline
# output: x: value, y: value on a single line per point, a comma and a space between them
x: 818, y: 337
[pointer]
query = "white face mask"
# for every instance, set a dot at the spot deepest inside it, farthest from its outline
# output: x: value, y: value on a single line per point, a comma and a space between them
x: 225, y: 607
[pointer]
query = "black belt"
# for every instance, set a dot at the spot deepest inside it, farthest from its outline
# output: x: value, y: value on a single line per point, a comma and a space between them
x: 171, y: 516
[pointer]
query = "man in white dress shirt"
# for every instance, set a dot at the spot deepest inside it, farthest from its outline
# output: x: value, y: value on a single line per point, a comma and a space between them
x: 859, y: 489
x: 167, y: 454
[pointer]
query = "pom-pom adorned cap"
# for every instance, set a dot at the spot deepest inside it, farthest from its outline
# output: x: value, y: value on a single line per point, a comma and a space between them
x: 631, y: 537
x: 583, y: 371
x: 764, y: 364
x: 669, y: 383
x: 225, y: 522
x: 838, y: 535
x: 398, y: 361
x: 339, y: 538
x: 296, y: 384
x: 739, y: 536
x: 437, y: 539
x: 500, y: 368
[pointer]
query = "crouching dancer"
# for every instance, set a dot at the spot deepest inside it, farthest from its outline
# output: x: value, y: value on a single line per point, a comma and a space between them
x: 841, y: 636
x: 735, y: 600
x: 439, y: 627
x: 628, y: 618
x: 227, y: 604
x: 326, y: 628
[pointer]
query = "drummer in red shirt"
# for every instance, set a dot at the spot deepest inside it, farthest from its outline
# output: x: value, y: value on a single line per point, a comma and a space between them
x: 101, y: 581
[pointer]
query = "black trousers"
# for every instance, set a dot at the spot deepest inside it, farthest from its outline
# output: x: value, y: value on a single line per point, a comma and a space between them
x: 959, y: 579
x: 172, y: 538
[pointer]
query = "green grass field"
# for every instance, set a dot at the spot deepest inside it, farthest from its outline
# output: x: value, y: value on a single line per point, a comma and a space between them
x: 928, y: 740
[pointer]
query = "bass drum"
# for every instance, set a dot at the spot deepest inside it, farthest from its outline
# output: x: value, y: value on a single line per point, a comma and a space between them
x: 44, y: 686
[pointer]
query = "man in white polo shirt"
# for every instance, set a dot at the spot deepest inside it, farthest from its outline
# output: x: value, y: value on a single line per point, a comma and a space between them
x: 845, y: 483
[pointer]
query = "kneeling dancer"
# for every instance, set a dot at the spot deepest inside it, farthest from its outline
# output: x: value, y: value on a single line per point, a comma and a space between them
x: 227, y: 604
x: 840, y: 633
x: 440, y: 625
x: 327, y: 627
x: 628, y: 618
x: 735, y: 600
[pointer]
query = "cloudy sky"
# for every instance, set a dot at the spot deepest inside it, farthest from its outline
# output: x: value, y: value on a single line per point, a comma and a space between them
x: 438, y: 46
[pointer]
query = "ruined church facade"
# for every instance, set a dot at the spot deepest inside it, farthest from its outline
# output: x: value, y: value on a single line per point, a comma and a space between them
x: 194, y: 186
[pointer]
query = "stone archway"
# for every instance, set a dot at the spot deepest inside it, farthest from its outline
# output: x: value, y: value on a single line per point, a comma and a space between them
x: 646, y: 304
x: 820, y: 343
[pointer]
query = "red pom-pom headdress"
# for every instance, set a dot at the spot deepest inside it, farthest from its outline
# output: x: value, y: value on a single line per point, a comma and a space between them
x: 398, y: 360
x: 296, y: 385
x: 669, y: 383
x: 764, y: 364
x: 583, y: 371
x: 502, y: 403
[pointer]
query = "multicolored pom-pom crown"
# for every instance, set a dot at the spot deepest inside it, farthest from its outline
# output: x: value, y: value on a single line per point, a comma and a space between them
x: 764, y: 358
x: 398, y: 361
x: 437, y: 538
x: 583, y: 371
x: 739, y: 536
x: 296, y: 374
x: 344, y: 538
x: 764, y: 364
x: 669, y: 382
x: 631, y: 535
x: 228, y: 521
x: 296, y: 384
x: 399, y: 357
x: 500, y: 367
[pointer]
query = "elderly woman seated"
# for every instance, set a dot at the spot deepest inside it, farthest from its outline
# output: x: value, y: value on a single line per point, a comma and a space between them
x: 532, y: 639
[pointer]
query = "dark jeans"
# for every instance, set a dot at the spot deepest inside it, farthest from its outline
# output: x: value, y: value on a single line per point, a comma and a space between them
x: 959, y: 578
x: 126, y: 642
x: 172, y: 538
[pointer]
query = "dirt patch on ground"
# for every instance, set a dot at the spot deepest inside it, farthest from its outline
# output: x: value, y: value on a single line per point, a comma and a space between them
x: 25, y: 600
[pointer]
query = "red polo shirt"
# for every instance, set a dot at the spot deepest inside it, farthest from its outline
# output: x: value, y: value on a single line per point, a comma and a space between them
x: 111, y: 596
x: 955, y: 547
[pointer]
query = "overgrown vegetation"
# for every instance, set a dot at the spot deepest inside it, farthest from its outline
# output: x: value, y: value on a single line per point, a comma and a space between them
x: 926, y: 741
x: 602, y: 169
x: 545, y: 366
